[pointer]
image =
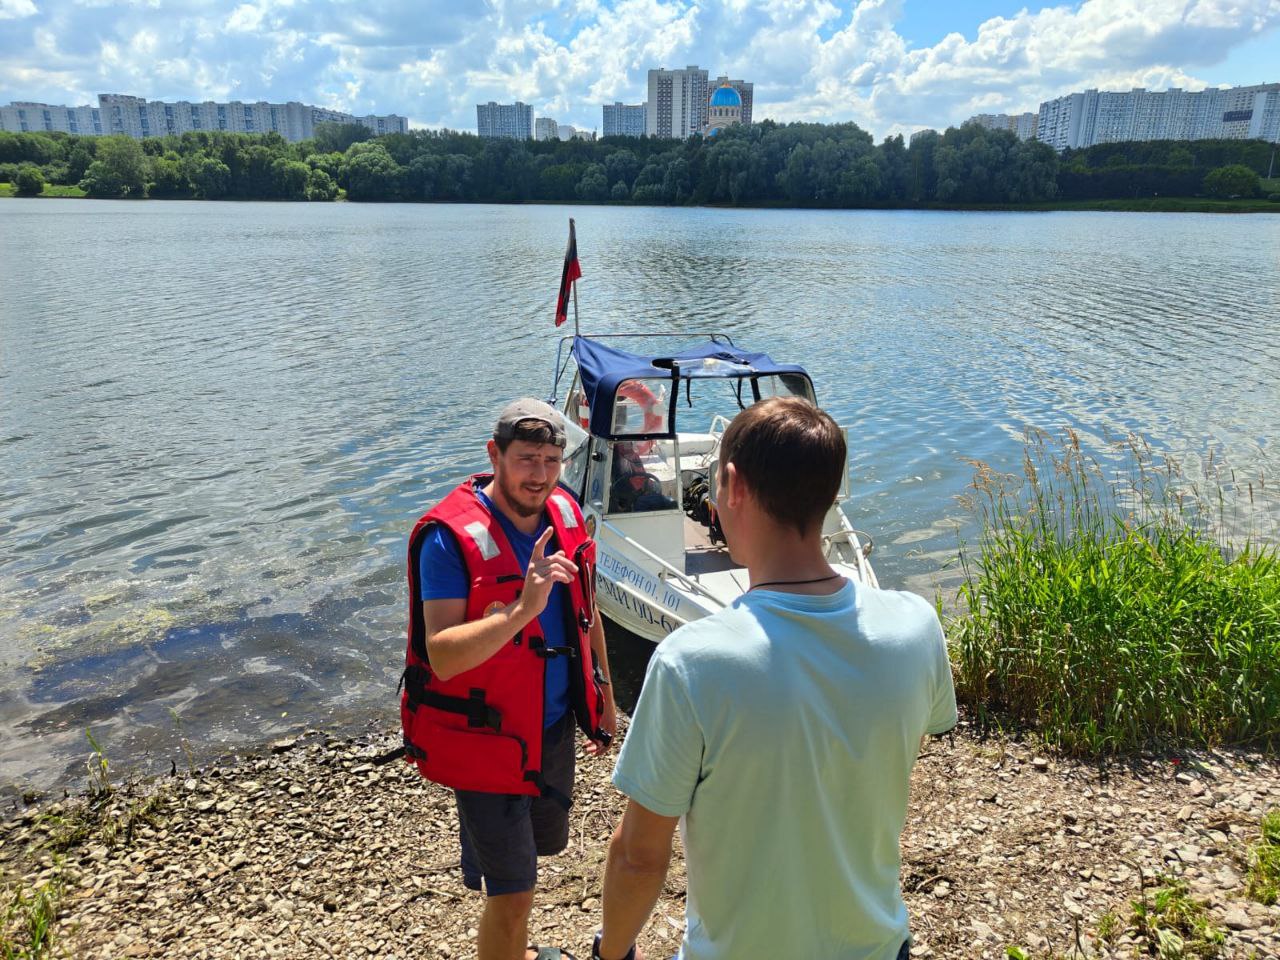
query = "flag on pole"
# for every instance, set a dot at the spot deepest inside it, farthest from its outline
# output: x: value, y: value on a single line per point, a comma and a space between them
x: 570, y: 273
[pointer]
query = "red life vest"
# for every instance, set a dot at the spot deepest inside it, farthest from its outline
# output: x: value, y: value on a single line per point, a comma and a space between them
x: 482, y: 729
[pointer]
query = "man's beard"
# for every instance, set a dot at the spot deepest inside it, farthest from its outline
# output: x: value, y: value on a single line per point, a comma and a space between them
x: 515, y: 498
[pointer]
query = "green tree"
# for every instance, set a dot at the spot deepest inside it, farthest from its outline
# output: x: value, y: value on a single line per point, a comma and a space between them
x: 619, y: 192
x: 622, y: 165
x: 320, y: 186
x: 1234, y: 180
x: 337, y: 137
x: 79, y: 158
x: 29, y: 182
x: 289, y: 179
x: 168, y: 178
x: 210, y: 178
x: 370, y: 173
x: 594, y: 184
x: 119, y: 171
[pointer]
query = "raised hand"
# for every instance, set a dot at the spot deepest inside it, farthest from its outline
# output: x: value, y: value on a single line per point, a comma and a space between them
x: 544, y: 573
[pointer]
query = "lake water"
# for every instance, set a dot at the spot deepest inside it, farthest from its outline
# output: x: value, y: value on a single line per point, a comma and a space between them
x: 218, y: 421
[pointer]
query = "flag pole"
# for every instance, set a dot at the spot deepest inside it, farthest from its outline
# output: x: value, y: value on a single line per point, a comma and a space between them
x: 575, y: 283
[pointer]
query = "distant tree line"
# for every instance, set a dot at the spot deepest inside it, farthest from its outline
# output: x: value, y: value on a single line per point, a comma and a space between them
x: 766, y: 164
x: 1166, y: 168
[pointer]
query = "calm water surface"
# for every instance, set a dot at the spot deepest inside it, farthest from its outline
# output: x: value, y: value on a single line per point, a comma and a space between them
x: 217, y: 421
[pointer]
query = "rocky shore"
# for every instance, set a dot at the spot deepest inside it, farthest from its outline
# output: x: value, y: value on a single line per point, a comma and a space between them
x: 311, y: 850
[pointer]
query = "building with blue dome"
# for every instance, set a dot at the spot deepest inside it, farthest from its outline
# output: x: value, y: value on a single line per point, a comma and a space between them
x: 724, y: 109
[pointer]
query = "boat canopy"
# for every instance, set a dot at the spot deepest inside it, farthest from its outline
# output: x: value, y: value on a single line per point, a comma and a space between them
x: 603, y: 369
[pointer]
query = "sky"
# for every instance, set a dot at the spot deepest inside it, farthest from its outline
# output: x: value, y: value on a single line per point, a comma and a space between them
x: 891, y: 66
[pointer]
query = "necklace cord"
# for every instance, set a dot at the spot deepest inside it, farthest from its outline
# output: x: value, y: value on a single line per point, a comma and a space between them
x: 792, y: 583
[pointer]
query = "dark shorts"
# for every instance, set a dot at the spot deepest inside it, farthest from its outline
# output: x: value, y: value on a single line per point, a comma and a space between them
x: 503, y: 834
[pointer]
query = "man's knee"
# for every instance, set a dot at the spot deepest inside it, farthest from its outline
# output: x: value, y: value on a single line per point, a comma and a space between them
x: 510, y: 908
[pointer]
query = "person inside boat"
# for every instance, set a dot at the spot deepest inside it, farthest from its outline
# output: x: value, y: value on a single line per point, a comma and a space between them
x: 633, y: 489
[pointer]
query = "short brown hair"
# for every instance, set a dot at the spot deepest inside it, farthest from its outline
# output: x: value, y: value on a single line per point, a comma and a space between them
x: 531, y: 431
x: 791, y: 455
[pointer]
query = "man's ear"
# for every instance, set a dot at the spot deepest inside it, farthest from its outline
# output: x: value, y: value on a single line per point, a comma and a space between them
x: 733, y: 487
x: 491, y: 448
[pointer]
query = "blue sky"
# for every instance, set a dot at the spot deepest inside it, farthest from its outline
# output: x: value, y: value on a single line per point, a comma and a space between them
x: 890, y: 65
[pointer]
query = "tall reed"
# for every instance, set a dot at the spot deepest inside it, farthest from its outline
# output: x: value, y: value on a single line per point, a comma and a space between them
x: 1119, y: 607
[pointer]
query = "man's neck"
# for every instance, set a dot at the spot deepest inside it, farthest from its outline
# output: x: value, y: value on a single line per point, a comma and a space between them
x: 526, y: 525
x: 783, y: 559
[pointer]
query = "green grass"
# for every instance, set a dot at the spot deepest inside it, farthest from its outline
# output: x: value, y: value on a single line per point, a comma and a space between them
x: 1118, y: 608
x: 1137, y: 205
x: 62, y: 190
x: 1264, y: 862
x: 26, y: 920
x: 1172, y: 925
x: 50, y: 190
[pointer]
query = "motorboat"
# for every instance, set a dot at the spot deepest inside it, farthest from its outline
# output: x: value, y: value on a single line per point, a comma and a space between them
x: 642, y: 457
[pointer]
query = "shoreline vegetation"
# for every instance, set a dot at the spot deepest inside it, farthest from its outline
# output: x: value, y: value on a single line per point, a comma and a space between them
x: 1141, y: 205
x: 1113, y: 790
x: 765, y: 165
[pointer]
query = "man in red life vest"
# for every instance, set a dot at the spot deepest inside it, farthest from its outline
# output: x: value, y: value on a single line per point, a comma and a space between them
x: 506, y: 650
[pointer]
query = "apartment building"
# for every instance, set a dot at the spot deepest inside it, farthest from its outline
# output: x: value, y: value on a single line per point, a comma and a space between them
x: 545, y: 128
x: 624, y: 119
x: 1022, y: 125
x: 138, y: 117
x: 677, y: 104
x: 22, y: 116
x: 1084, y: 119
x: 509, y: 120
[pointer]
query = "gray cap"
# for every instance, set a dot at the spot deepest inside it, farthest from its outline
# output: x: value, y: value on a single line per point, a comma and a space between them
x: 527, y: 408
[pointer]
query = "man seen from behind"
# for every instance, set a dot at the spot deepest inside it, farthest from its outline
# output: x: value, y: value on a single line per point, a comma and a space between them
x: 782, y: 729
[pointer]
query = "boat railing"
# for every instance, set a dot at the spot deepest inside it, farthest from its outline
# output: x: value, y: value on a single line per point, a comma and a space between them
x: 665, y: 570
x: 562, y: 358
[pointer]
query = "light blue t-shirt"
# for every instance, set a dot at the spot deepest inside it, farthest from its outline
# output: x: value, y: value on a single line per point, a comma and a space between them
x: 783, y: 730
x: 442, y: 575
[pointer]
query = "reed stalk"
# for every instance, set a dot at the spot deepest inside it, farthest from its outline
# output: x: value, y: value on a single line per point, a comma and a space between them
x: 1120, y: 605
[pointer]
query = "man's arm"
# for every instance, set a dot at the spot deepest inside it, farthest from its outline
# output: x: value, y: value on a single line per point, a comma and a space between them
x: 608, y: 719
x: 639, y: 855
x: 455, y: 645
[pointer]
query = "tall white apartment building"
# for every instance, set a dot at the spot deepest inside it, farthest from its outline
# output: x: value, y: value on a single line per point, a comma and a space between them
x: 25, y: 117
x: 623, y: 119
x: 1021, y: 125
x: 139, y: 117
x: 677, y: 105
x: 1092, y: 117
x: 511, y: 120
x: 746, y: 91
x: 545, y: 128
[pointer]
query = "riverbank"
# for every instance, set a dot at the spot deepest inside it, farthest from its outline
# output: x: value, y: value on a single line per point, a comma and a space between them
x: 1137, y: 205
x: 312, y: 850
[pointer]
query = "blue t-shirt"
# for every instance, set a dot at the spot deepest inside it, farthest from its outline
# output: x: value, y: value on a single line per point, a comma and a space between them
x: 442, y: 575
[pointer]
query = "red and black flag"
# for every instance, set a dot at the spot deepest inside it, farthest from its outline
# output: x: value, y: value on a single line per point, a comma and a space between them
x: 571, y: 273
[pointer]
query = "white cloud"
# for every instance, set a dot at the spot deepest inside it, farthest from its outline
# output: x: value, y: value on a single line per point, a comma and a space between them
x: 17, y: 9
x: 829, y: 60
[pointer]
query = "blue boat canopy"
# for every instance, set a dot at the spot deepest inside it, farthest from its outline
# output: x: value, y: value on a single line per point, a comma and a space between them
x: 603, y: 368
